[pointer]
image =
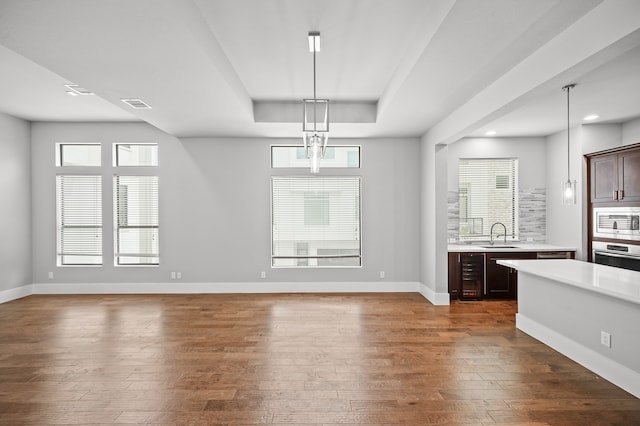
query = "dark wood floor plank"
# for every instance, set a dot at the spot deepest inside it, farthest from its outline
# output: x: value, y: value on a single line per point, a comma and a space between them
x: 305, y: 359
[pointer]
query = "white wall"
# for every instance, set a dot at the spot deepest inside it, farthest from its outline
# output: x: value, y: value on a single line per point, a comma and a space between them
x: 15, y: 214
x: 631, y: 132
x: 597, y: 137
x: 530, y: 151
x: 215, y: 209
x: 564, y: 223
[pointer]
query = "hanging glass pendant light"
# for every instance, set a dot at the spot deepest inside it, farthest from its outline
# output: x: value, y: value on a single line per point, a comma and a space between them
x: 315, y: 116
x: 569, y: 187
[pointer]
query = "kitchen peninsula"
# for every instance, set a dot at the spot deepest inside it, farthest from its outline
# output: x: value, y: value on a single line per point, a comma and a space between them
x: 586, y: 311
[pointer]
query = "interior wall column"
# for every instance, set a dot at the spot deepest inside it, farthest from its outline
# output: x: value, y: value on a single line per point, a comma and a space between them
x: 433, y: 272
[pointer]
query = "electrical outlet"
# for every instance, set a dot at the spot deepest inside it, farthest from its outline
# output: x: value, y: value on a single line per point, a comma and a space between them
x: 179, y: 275
x: 381, y: 274
x: 263, y: 274
x: 50, y: 275
x: 605, y: 339
x: 173, y: 275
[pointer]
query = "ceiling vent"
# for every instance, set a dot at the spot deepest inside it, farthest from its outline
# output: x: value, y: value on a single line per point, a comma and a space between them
x: 136, y: 103
x: 77, y: 90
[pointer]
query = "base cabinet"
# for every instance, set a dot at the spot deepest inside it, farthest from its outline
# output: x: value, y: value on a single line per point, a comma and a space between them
x: 477, y: 275
x: 502, y: 282
x: 466, y: 275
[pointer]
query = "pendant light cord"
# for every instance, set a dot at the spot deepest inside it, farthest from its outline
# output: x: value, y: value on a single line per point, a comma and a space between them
x: 568, y: 88
x: 315, y: 101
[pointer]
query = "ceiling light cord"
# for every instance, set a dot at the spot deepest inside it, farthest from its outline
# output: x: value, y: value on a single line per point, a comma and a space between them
x: 315, y: 105
x: 568, y: 89
x: 569, y: 187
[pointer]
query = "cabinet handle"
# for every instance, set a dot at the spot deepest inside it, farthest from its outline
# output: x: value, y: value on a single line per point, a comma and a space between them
x: 621, y: 193
x: 615, y: 195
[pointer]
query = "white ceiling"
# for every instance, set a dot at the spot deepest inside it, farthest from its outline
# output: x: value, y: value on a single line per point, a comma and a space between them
x: 390, y: 67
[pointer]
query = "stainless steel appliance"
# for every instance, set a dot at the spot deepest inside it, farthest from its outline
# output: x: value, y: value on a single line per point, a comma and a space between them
x: 616, y: 222
x: 625, y: 256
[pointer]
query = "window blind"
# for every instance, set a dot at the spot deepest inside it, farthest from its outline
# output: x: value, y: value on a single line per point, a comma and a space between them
x: 79, y: 218
x: 315, y: 221
x: 136, y: 220
x: 488, y: 193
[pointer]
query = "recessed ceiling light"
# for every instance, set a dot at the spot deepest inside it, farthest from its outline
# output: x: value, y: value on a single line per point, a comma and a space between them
x: 491, y: 133
x: 74, y: 90
x: 591, y: 117
x: 136, y: 103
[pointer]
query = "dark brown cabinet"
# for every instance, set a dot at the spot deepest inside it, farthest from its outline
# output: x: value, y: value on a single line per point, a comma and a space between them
x: 615, y: 177
x: 501, y: 281
x: 477, y: 275
x: 471, y: 276
x: 466, y: 275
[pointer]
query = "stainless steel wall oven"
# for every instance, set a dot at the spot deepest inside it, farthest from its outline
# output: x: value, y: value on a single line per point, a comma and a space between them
x: 620, y: 255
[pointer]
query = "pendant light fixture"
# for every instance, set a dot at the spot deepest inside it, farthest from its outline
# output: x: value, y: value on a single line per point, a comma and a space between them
x: 315, y: 116
x: 569, y: 186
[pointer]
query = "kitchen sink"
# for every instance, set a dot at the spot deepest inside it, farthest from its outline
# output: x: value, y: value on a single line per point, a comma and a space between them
x: 499, y: 246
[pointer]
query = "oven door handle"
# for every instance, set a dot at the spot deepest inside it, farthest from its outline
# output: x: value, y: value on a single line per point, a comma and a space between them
x: 610, y: 254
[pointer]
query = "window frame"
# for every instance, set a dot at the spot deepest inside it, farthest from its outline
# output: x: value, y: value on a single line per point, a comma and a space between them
x: 514, y: 213
x: 115, y: 155
x: 60, y: 254
x: 59, y: 154
x: 322, y: 166
x: 116, y: 225
x: 298, y: 242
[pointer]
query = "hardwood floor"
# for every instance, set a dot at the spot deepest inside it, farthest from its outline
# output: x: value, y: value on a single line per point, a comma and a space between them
x: 288, y: 359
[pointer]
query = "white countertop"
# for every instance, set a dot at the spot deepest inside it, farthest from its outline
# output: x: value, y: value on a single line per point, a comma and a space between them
x: 614, y: 282
x: 515, y: 247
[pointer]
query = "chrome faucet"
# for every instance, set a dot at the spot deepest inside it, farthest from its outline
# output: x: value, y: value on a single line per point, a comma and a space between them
x: 491, y: 232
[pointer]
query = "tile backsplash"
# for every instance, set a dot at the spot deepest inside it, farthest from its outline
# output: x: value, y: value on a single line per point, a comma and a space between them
x: 532, y: 209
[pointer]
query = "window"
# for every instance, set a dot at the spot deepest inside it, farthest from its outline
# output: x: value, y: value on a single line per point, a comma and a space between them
x: 79, y: 219
x: 78, y: 154
x: 488, y: 193
x: 339, y: 156
x: 315, y: 221
x: 136, y: 220
x: 135, y: 154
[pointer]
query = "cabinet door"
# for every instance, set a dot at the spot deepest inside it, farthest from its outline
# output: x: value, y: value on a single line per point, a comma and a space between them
x: 604, y: 178
x: 500, y: 280
x: 629, y: 175
x: 454, y: 275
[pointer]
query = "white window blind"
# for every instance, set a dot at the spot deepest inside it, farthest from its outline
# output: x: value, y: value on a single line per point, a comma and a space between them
x: 79, y: 219
x: 136, y: 220
x: 488, y: 193
x: 315, y: 221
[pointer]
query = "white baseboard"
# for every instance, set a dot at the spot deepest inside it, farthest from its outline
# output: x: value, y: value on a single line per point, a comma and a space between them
x: 15, y: 293
x: 613, y: 371
x: 242, y: 287
x: 245, y: 287
x: 433, y: 297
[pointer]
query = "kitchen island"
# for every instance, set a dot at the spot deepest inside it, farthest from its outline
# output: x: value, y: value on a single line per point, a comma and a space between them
x: 586, y: 311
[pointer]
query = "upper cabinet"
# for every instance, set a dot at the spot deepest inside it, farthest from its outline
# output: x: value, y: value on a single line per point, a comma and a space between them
x: 615, y: 176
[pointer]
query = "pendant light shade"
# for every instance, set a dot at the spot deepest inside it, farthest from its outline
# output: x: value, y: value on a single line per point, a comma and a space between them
x: 315, y: 116
x: 569, y: 186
